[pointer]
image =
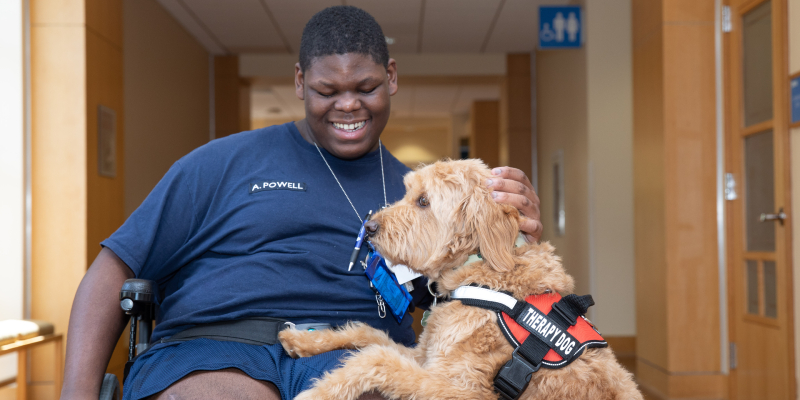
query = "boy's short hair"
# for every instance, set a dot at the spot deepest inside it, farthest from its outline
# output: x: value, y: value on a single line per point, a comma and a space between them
x: 342, y: 30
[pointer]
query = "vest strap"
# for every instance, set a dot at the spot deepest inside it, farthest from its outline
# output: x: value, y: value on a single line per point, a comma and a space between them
x: 572, y: 306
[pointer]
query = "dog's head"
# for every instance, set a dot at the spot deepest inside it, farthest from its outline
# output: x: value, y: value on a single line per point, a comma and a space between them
x: 446, y: 215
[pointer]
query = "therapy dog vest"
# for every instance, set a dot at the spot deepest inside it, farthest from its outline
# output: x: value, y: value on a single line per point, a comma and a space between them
x: 545, y: 330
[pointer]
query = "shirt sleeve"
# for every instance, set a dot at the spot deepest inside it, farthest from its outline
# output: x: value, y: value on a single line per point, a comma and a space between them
x: 151, y: 240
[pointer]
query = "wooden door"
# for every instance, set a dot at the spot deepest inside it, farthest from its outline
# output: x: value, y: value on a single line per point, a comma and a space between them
x: 759, y: 256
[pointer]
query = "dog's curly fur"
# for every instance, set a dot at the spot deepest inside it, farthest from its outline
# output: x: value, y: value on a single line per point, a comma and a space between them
x: 462, y: 348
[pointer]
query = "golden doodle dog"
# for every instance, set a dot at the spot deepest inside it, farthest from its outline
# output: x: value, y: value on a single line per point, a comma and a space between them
x: 446, y: 215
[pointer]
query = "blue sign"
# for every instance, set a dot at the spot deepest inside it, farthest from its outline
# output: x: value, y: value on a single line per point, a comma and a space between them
x: 560, y: 27
x: 795, y: 85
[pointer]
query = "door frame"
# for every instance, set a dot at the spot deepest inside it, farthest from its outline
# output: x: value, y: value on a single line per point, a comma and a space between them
x: 780, y: 125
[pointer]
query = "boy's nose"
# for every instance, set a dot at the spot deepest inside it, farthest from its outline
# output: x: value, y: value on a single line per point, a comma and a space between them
x: 348, y: 104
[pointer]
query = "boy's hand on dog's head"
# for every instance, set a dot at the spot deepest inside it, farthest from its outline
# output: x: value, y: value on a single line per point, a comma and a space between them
x: 511, y: 186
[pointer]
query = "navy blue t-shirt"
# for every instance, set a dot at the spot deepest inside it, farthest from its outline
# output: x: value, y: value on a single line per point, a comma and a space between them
x: 254, y: 224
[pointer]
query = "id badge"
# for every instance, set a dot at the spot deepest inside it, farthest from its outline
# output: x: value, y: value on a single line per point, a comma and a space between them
x: 385, y: 283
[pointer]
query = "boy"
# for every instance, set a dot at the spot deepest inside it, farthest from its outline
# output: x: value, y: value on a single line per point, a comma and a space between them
x: 261, y: 224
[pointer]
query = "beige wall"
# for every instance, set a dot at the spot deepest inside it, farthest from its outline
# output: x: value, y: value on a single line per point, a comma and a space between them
x: 584, y: 100
x: 610, y: 165
x: 562, y: 124
x: 166, y: 96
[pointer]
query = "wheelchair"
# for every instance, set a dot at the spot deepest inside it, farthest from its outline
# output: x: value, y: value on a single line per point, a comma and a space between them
x: 137, y: 299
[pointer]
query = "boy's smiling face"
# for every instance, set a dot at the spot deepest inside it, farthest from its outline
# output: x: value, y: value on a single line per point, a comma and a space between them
x: 347, y: 102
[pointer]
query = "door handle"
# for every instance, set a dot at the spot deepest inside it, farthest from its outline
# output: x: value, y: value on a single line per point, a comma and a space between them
x: 779, y: 216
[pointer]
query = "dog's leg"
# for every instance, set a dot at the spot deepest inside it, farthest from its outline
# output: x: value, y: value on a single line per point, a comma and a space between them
x: 352, y: 336
x: 393, y: 374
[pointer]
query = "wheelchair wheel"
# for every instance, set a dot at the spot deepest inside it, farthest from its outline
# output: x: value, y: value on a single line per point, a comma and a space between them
x: 110, y: 388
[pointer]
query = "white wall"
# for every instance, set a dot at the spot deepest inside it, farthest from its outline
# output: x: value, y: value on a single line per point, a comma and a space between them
x: 11, y: 170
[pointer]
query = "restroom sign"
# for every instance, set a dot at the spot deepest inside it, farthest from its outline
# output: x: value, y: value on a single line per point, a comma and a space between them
x: 560, y: 27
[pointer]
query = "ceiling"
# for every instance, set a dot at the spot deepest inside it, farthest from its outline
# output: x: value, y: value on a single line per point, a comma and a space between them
x: 417, y: 26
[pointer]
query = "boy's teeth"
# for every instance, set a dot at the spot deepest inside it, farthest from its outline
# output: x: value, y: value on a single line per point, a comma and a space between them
x: 349, y: 127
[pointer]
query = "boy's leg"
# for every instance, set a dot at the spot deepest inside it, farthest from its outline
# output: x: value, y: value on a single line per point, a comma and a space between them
x: 225, y: 384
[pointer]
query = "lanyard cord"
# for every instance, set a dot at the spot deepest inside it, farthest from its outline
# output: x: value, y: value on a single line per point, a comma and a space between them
x: 383, y: 178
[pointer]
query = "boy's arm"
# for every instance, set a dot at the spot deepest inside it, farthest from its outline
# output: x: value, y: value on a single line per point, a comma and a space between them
x: 95, y: 325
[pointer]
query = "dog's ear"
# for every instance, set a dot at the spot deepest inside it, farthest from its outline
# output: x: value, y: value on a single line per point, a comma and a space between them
x: 496, y: 226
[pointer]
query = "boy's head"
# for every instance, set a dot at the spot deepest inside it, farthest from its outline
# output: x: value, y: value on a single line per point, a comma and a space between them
x: 342, y: 30
x: 345, y: 78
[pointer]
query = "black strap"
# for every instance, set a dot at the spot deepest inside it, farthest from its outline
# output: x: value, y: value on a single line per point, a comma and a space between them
x: 258, y: 331
x: 572, y: 306
x: 533, y: 349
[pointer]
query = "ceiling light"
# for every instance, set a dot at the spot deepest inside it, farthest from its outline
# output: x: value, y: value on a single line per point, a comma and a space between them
x: 389, y: 40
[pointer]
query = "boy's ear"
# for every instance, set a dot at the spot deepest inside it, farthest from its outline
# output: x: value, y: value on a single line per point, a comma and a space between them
x: 391, y: 72
x: 299, y: 82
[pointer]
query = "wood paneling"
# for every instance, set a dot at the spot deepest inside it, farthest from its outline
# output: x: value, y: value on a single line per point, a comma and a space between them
x: 59, y: 192
x: 675, y: 199
x: 105, y: 196
x: 662, y: 384
x: 649, y: 168
x: 167, y: 90
x: 622, y: 345
x: 517, y: 113
x: 244, y: 105
x: 53, y: 12
x: 690, y: 180
x: 104, y: 19
x: 76, y: 65
x: 484, y: 140
x: 226, y: 95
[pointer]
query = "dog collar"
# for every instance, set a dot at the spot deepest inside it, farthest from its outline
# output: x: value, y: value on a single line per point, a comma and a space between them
x: 477, y: 255
x: 545, y: 330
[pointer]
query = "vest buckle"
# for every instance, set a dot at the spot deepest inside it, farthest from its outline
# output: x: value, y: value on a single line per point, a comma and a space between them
x: 514, y: 376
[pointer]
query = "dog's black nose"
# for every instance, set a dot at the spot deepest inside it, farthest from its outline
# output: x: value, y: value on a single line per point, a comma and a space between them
x: 372, y: 227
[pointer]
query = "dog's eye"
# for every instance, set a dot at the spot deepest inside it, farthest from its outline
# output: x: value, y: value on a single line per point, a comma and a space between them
x: 423, y: 201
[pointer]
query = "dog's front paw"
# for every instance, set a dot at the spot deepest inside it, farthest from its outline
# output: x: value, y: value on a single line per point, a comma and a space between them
x: 298, y: 343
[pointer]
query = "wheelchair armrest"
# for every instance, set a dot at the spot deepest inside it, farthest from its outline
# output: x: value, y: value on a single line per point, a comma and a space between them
x: 137, y: 298
x: 138, y: 290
